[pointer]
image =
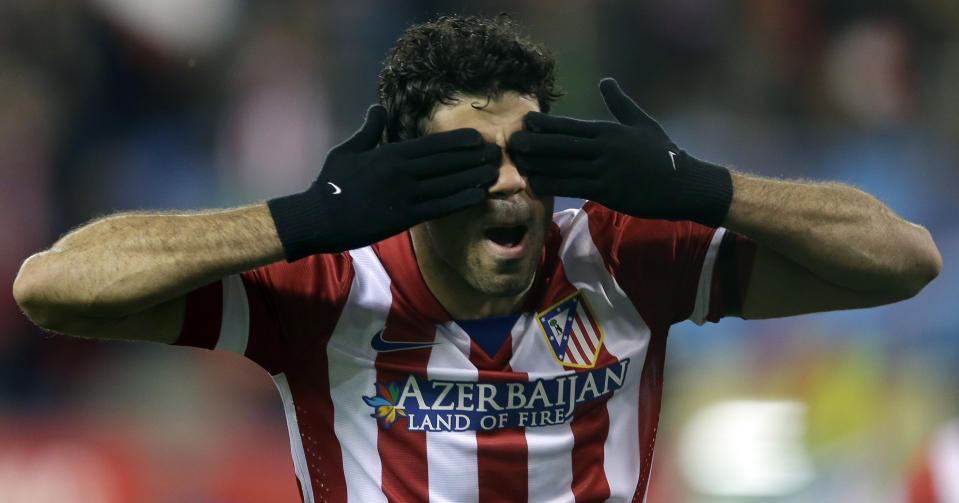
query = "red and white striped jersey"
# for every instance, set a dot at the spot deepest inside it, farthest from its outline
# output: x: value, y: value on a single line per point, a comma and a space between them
x: 388, y: 399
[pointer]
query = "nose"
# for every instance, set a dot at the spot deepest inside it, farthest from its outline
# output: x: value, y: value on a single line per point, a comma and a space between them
x: 510, y: 181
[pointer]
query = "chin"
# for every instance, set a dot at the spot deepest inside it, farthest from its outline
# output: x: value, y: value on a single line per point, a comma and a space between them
x: 500, y: 285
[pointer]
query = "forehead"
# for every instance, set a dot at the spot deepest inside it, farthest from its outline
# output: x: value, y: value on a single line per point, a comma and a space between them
x: 485, y: 115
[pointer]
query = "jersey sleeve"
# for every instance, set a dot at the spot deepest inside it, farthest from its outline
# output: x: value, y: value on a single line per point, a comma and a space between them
x: 271, y: 313
x: 673, y: 271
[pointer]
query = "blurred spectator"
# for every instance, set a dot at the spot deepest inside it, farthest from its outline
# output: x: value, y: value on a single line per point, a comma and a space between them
x: 935, y: 479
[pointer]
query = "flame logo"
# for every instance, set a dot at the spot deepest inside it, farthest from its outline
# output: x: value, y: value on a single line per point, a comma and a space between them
x: 384, y: 404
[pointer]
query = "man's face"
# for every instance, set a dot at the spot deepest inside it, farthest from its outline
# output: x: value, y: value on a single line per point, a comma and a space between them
x: 494, y: 248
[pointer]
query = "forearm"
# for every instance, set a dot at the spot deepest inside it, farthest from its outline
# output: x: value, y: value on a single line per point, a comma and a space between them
x: 123, y: 264
x: 837, y: 232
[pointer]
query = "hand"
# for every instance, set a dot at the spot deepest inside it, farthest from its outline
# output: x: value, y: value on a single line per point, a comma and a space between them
x: 631, y: 166
x: 366, y: 193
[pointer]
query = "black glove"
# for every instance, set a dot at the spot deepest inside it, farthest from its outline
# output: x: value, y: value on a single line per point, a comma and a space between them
x: 631, y: 167
x: 366, y: 193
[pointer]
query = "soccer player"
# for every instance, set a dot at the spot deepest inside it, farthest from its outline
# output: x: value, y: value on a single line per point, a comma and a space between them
x: 436, y: 333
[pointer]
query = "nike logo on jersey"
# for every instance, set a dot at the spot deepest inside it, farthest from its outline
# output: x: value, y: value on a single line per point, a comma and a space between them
x: 381, y: 345
x: 336, y: 188
x: 672, y: 158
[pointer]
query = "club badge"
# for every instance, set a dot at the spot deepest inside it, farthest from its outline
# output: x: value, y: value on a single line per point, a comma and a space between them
x: 572, y: 331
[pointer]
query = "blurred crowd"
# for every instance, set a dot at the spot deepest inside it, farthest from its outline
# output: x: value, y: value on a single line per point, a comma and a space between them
x: 109, y: 105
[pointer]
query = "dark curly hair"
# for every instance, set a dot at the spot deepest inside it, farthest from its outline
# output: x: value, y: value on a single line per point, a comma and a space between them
x: 434, y: 61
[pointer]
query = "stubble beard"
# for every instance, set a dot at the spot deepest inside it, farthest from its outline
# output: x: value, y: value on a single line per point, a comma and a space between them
x: 488, y: 278
x: 468, y: 264
x: 498, y: 285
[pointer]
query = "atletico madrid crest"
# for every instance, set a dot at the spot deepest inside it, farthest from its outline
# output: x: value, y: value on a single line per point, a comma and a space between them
x: 572, y: 331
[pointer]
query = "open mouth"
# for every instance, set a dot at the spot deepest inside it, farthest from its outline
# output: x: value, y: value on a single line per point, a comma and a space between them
x: 507, y: 236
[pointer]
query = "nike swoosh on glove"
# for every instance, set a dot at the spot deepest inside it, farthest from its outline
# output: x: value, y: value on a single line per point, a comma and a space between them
x: 366, y: 193
x: 630, y: 166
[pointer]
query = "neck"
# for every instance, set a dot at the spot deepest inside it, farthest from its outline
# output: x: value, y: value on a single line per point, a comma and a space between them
x: 460, y: 299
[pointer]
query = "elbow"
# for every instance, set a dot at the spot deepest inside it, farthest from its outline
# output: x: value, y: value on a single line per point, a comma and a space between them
x: 924, y: 266
x: 931, y: 266
x: 26, y: 293
x: 32, y: 296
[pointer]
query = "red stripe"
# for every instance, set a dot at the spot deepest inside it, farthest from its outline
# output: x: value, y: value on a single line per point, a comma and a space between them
x: 586, y: 338
x: 585, y: 356
x: 588, y: 341
x: 405, y: 475
x: 571, y: 352
x: 307, y: 311
x: 314, y: 309
x: 674, y: 250
x: 590, y: 426
x: 502, y: 456
x: 314, y: 417
x: 592, y: 323
x: 650, y: 399
x: 412, y: 317
x: 672, y: 254
x: 921, y: 484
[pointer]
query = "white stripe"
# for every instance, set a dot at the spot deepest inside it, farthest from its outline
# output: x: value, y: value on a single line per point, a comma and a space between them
x: 235, y: 325
x: 296, y: 442
x: 549, y: 461
x: 593, y: 336
x: 551, y: 474
x: 584, y: 345
x: 589, y: 336
x: 575, y: 358
x: 451, y: 455
x: 583, y: 340
x: 572, y: 349
x: 352, y: 375
x: 944, y: 457
x: 625, y: 336
x: 701, y: 308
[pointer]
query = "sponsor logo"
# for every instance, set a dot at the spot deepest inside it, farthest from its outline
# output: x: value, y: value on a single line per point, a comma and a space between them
x: 381, y: 345
x: 384, y: 404
x: 572, y: 331
x: 438, y: 405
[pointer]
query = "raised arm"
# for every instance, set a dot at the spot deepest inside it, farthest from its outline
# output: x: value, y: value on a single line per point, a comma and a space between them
x: 820, y: 246
x: 125, y: 276
x: 826, y: 246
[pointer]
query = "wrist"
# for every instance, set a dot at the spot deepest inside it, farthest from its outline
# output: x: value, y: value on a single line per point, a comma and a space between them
x: 298, y: 219
x: 704, y: 191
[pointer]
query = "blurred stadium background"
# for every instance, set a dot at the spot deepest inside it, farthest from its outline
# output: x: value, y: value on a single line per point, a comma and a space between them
x: 110, y: 105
